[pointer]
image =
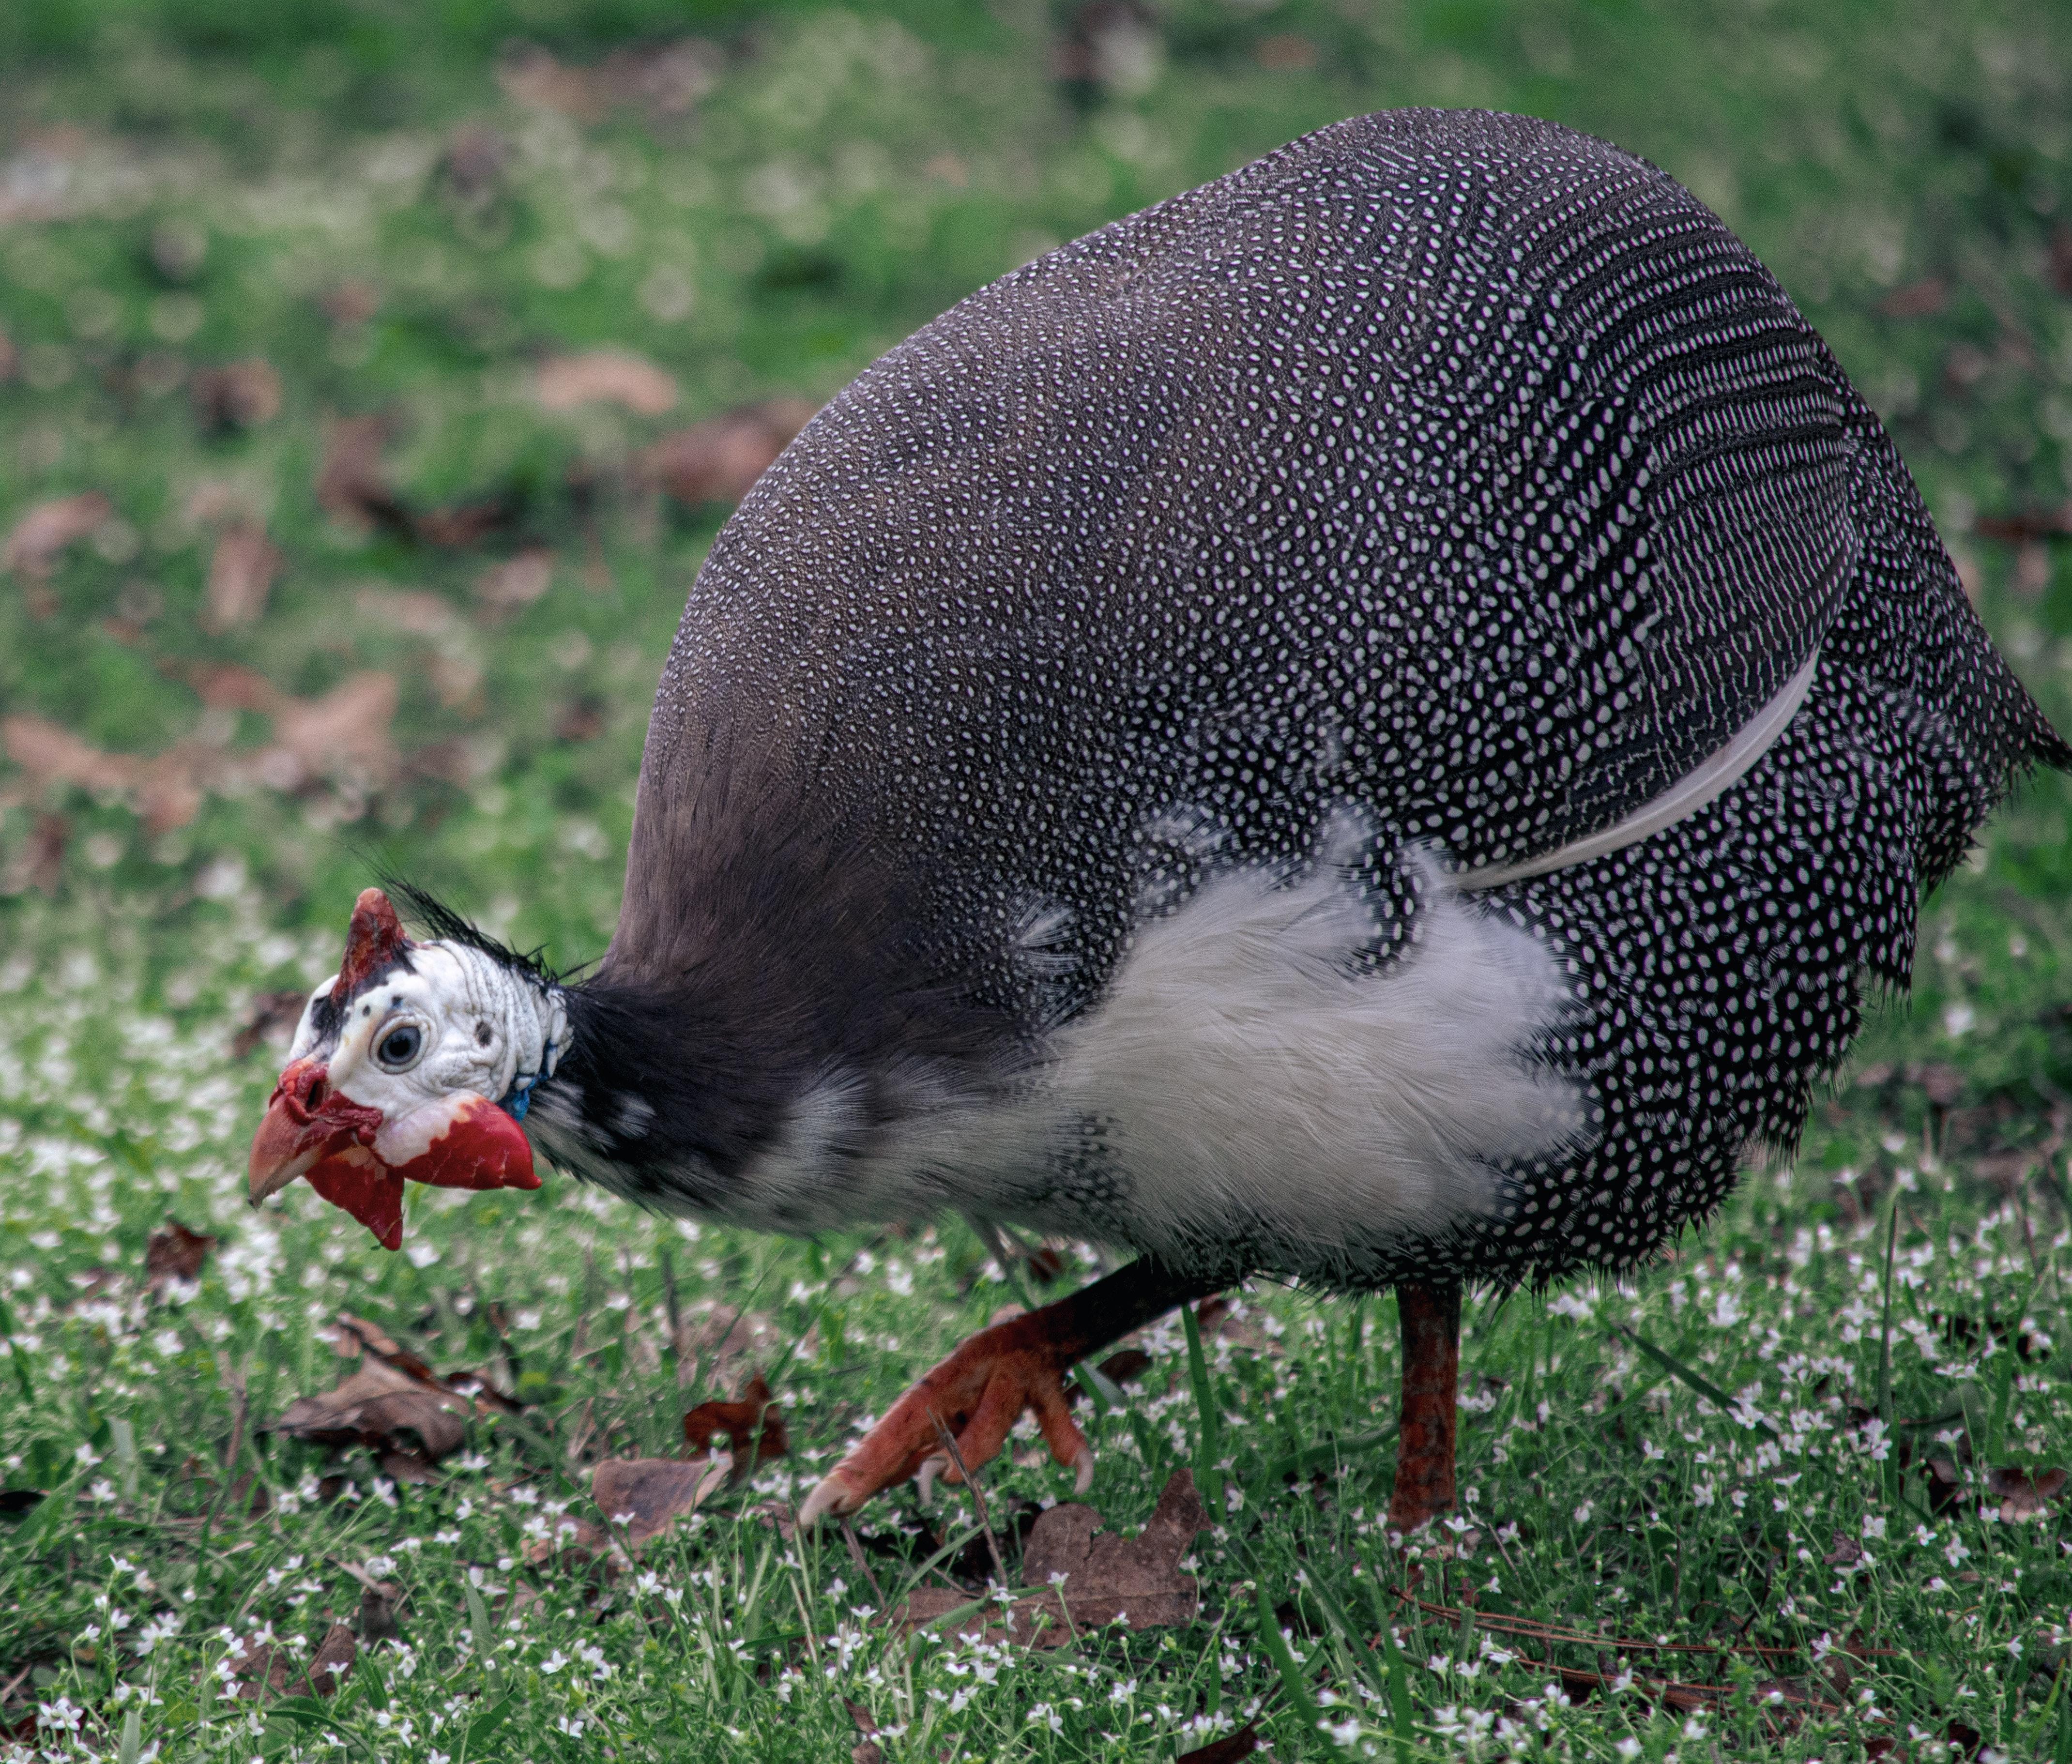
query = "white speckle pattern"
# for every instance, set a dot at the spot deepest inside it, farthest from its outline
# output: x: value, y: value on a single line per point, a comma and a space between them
x: 1454, y: 468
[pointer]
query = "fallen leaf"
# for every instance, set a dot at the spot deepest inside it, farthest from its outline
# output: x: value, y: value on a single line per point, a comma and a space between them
x: 605, y: 377
x: 240, y: 575
x: 647, y: 1495
x: 581, y: 719
x: 384, y: 1409
x: 718, y: 460
x: 753, y: 1429
x: 376, y: 1617
x: 666, y: 80
x: 2023, y: 1493
x: 1920, y: 299
x: 1846, y: 1553
x: 1946, y: 1484
x: 174, y: 1252
x: 1286, y: 53
x: 52, y: 755
x: 1086, y: 1579
x: 2027, y: 526
x: 412, y: 611
x: 352, y: 485
x: 263, y: 1670
x: 238, y: 395
x: 334, y: 1657
x: 351, y: 303
x: 47, y: 530
x: 475, y: 162
x: 1228, y: 1749
x: 39, y: 862
x: 395, y: 1405
x: 718, y: 1338
x: 351, y: 1336
x: 345, y: 733
x: 271, y: 1017
x: 517, y: 581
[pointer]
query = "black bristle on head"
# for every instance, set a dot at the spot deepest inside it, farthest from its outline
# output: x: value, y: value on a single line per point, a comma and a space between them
x: 447, y: 926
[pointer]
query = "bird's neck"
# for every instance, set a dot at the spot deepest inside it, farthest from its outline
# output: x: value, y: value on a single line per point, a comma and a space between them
x: 652, y: 1098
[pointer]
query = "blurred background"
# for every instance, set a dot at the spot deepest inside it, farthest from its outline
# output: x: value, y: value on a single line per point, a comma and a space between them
x: 375, y: 373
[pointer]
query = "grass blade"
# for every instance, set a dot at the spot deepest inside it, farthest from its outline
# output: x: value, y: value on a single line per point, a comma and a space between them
x: 1301, y: 1700
x: 1698, y: 1382
x: 1207, y: 1477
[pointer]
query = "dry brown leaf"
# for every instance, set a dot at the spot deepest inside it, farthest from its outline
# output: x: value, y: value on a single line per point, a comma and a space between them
x: 605, y: 377
x: 412, y: 611
x: 665, y: 79
x: 240, y: 575
x: 395, y: 1405
x: 517, y: 581
x: 2025, y: 1493
x: 263, y: 1670
x: 174, y: 1252
x: 351, y: 1336
x: 51, y: 755
x: 718, y: 460
x: 717, y: 1338
x: 377, y: 1619
x: 271, y: 1017
x: 647, y: 1495
x: 1084, y: 1578
x: 351, y: 303
x: 1228, y: 1749
x: 344, y: 732
x: 166, y: 788
x: 475, y: 162
x: 381, y: 1407
x: 352, y: 485
x: 754, y: 1428
x: 39, y: 862
x: 238, y: 395
x: 33, y: 547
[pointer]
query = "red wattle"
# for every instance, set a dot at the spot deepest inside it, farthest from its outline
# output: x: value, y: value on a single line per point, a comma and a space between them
x: 371, y: 1191
x: 482, y: 1148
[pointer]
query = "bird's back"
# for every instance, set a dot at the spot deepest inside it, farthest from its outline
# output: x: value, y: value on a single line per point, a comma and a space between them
x: 1454, y: 470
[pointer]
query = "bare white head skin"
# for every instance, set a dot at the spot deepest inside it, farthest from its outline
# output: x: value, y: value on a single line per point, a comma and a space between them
x: 455, y: 1022
x: 416, y: 1063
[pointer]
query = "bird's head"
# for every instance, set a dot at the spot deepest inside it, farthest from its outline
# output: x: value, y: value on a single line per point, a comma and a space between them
x: 415, y: 1063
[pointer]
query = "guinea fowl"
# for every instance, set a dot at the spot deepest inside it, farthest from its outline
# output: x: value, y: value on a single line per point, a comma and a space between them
x: 1367, y: 724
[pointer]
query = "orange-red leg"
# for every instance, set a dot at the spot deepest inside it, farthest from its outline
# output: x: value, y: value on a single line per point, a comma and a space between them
x: 980, y: 1391
x: 1431, y: 1316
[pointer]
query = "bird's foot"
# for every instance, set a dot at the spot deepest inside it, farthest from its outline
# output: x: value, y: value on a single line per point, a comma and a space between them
x: 974, y: 1396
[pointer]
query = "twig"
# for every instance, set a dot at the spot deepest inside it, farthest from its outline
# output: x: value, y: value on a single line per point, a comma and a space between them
x: 1525, y: 1627
x: 862, y: 1566
x: 1670, y: 1690
x: 978, y: 1493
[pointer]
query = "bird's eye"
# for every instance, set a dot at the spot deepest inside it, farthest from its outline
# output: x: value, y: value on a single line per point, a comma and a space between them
x: 398, y: 1050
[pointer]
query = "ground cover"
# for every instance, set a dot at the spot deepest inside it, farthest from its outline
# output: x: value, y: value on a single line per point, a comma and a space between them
x: 368, y: 395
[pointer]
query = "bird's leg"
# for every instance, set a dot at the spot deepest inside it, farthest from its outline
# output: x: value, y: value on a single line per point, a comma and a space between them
x: 1431, y: 1315
x: 980, y: 1391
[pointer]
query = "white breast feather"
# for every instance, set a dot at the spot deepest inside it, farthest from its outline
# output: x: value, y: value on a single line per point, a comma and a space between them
x: 1254, y: 1084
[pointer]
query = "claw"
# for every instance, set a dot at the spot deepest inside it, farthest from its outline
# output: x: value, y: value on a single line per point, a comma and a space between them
x: 925, y: 1477
x: 831, y: 1495
x: 977, y: 1394
x: 1083, y: 1469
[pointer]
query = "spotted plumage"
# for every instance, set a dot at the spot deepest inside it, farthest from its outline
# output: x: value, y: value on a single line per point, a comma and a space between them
x: 1091, y: 784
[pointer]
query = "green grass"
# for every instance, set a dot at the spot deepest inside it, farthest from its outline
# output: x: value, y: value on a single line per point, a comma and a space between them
x: 845, y: 176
